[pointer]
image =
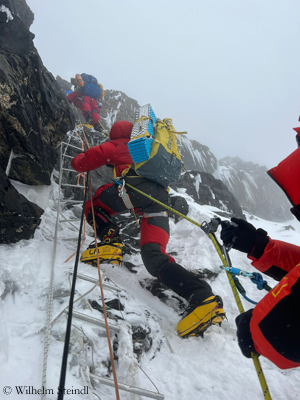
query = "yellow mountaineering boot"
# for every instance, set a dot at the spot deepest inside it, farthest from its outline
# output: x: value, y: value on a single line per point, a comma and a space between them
x: 89, y: 126
x: 110, y: 252
x: 196, y: 321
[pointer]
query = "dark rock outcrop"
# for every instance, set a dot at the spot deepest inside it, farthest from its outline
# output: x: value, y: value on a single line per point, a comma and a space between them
x: 252, y: 187
x: 205, y: 189
x: 19, y: 218
x: 34, y: 113
x: 116, y: 106
x: 34, y: 118
x: 179, y: 204
x: 196, y: 156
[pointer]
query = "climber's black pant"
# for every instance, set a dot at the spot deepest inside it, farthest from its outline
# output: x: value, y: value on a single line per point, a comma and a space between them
x: 154, y: 233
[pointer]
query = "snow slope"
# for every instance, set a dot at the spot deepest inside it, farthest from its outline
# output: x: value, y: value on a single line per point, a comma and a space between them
x: 212, y: 368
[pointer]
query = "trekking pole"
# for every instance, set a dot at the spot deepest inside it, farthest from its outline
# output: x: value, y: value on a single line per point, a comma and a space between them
x: 209, y: 229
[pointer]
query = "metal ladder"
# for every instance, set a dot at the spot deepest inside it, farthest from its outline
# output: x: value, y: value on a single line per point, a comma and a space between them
x: 76, y: 314
x: 64, y: 157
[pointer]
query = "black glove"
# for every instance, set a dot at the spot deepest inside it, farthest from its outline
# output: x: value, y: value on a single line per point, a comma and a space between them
x: 244, y: 237
x: 241, y: 235
x: 243, y: 333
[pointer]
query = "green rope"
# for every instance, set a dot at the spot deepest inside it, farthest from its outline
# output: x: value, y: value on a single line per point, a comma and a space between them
x: 225, y: 260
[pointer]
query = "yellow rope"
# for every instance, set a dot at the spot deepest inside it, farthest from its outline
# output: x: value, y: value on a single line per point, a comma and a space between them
x: 255, y: 359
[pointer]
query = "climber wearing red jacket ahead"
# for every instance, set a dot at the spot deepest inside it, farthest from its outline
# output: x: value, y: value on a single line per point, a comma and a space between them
x: 272, y: 328
x: 204, y: 308
x: 86, y: 97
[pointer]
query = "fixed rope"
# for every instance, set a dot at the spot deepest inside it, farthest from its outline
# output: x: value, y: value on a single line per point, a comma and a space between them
x: 49, y: 307
x: 62, y: 380
x: 223, y: 254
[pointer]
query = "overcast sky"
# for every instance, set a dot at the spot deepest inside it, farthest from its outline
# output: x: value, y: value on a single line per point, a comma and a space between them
x: 226, y: 71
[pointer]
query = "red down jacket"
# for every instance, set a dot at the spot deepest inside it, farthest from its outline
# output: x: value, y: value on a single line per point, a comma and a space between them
x: 275, y: 322
x: 115, y: 152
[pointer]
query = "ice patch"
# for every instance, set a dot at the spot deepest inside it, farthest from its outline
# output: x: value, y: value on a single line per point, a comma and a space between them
x: 39, y: 195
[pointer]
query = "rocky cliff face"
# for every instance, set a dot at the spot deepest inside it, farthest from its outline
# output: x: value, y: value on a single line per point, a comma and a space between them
x: 252, y: 187
x: 34, y: 114
x: 197, y: 157
x: 205, y: 189
x: 117, y: 106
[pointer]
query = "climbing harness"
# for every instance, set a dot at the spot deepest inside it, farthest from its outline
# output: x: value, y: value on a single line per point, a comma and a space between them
x: 123, y: 193
x: 209, y: 229
x: 125, y: 197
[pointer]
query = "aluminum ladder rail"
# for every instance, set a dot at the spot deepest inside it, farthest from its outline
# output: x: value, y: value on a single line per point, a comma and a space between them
x: 82, y: 316
x: 115, y: 329
x: 128, y: 388
x: 64, y: 146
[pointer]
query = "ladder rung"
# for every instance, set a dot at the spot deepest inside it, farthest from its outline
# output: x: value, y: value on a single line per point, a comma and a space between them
x: 127, y: 388
x: 71, y: 170
x: 70, y: 220
x: 72, y: 201
x: 96, y: 280
x: 65, y: 155
x: 74, y: 147
x: 93, y: 320
x: 73, y: 238
x: 68, y: 184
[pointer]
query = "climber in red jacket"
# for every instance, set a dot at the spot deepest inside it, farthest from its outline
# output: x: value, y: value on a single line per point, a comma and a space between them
x: 86, y: 100
x: 204, y: 307
x: 272, y: 328
x: 88, y: 106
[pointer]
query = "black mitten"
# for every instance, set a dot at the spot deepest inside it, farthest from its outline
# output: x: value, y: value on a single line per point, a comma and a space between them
x: 244, y: 236
x: 243, y: 333
x: 240, y: 234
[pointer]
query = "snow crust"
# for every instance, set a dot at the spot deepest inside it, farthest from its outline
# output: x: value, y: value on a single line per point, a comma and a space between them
x: 212, y: 368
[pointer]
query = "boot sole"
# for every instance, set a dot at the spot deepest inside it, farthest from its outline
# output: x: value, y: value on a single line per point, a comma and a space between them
x: 106, y: 255
x: 195, y: 324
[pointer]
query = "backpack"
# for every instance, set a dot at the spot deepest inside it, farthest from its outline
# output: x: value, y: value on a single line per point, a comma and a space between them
x: 153, y: 148
x: 90, y: 87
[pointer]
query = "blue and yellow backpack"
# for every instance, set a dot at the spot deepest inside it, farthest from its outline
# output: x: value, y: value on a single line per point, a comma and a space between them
x: 153, y: 148
x: 90, y: 86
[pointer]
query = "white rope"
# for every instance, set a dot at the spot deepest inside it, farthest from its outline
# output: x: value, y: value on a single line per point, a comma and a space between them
x: 86, y: 377
x: 51, y: 283
x: 50, y: 302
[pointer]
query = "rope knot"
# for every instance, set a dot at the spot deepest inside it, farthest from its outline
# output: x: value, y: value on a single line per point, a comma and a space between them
x: 258, y: 280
